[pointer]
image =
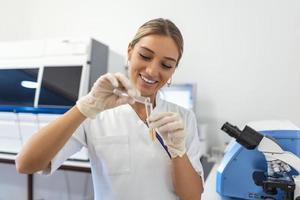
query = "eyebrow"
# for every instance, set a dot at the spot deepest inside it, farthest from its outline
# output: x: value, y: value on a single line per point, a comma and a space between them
x: 166, y: 57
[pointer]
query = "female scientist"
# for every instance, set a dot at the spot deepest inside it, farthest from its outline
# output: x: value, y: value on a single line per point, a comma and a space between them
x: 125, y: 162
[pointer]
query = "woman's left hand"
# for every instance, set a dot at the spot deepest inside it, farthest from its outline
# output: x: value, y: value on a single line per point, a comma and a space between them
x: 171, y: 128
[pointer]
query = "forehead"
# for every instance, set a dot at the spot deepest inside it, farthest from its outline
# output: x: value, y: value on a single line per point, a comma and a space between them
x: 164, y: 46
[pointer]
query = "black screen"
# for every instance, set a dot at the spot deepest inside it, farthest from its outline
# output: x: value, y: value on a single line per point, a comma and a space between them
x: 60, y: 86
x: 13, y: 91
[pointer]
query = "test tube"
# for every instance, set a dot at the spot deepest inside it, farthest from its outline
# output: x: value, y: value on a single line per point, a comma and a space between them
x: 149, y: 109
x: 139, y: 99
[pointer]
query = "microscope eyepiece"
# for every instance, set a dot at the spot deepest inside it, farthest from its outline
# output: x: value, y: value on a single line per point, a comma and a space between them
x: 249, y: 138
x: 231, y: 130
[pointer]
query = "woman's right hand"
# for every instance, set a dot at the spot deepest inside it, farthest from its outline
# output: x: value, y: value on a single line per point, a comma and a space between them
x: 101, y: 96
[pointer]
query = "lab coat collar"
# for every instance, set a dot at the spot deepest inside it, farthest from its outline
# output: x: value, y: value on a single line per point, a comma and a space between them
x: 159, y: 102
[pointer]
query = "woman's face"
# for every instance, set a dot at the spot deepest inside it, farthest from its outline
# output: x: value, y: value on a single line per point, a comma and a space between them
x: 152, y: 61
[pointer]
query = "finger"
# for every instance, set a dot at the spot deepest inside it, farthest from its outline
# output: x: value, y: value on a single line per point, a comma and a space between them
x: 170, y: 136
x: 157, y: 116
x: 125, y: 100
x: 162, y: 121
x: 134, y: 92
x: 131, y: 91
x: 171, y: 127
x: 111, y: 78
x: 125, y: 82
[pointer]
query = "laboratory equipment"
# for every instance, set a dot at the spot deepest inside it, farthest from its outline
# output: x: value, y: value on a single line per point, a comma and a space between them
x: 139, y: 99
x: 260, y: 165
x: 181, y: 94
x: 149, y: 109
x: 15, y: 86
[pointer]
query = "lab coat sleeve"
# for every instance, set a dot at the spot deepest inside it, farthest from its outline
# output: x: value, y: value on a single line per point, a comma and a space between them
x: 73, y: 145
x: 193, y: 143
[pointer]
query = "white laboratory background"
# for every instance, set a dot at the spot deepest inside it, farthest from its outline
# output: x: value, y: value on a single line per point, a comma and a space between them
x: 243, y: 55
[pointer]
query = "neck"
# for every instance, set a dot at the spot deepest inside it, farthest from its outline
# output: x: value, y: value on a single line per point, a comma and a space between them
x: 153, y: 100
x: 140, y: 110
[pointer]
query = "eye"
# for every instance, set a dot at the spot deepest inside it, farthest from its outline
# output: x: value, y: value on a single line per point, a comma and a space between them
x: 144, y: 57
x: 167, y: 66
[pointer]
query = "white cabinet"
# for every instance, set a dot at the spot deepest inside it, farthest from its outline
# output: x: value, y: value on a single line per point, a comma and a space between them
x: 28, y: 126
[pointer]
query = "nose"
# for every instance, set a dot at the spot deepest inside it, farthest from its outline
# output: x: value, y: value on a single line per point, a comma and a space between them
x: 153, y: 69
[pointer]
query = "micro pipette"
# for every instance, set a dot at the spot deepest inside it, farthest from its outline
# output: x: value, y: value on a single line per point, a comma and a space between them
x: 140, y: 99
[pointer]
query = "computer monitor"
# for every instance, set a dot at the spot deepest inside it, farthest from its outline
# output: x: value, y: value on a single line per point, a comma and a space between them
x: 60, y: 86
x: 18, y: 86
x: 181, y: 94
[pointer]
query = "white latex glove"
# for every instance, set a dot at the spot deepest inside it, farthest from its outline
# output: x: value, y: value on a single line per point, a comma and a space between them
x: 101, y: 96
x: 171, y: 128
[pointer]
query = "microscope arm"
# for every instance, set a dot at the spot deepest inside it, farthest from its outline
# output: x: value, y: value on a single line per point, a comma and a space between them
x: 287, y: 157
x: 273, y: 151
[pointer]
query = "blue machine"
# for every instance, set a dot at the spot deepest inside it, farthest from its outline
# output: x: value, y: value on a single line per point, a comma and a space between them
x: 235, y: 173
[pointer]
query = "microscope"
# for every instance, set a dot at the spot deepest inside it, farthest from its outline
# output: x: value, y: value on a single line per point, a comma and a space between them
x: 274, y: 171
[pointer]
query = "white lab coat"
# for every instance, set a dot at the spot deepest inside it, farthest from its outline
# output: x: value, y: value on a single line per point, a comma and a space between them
x: 125, y: 163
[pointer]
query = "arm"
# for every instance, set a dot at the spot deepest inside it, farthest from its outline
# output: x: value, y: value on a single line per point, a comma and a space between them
x: 38, y: 152
x: 41, y: 148
x: 187, y: 182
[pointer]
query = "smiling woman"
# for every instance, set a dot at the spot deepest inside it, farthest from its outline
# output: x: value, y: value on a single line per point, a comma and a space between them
x: 114, y: 128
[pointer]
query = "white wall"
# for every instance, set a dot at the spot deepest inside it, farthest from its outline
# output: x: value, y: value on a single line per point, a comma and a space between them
x: 243, y: 54
x: 13, y: 20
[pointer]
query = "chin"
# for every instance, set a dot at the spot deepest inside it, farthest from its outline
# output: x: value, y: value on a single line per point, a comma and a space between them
x: 146, y: 92
x: 146, y: 89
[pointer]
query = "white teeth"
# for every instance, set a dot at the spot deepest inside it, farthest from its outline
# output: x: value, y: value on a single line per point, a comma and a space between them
x: 147, y: 80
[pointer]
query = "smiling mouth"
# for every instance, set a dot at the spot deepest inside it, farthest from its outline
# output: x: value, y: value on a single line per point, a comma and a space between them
x: 148, y: 81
